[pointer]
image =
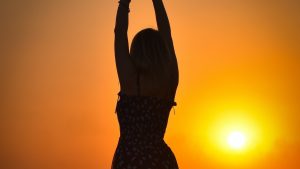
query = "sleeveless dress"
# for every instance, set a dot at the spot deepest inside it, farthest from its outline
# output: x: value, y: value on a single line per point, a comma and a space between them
x: 143, y: 121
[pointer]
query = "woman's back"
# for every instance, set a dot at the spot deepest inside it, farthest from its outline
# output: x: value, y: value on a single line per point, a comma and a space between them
x: 146, y: 86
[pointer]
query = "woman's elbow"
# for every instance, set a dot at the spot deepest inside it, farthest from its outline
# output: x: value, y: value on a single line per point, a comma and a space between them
x: 119, y: 30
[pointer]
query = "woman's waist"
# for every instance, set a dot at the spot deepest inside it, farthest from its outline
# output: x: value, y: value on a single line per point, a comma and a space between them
x: 156, y: 148
x: 145, y: 139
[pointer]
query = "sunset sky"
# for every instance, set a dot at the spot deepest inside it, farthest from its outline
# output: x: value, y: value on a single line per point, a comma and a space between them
x: 239, y: 64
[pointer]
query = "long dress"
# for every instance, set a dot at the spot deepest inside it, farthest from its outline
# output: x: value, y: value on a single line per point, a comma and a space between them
x: 143, y: 121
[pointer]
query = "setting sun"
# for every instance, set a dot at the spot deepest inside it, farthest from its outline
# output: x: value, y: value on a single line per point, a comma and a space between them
x: 236, y: 140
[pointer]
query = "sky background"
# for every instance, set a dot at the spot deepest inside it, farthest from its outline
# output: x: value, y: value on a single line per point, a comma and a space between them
x: 239, y: 63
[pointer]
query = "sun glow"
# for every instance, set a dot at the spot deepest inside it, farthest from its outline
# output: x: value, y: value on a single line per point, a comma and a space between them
x: 236, y: 140
x: 233, y: 136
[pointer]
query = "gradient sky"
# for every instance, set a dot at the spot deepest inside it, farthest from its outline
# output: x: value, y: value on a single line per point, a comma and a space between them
x: 239, y: 65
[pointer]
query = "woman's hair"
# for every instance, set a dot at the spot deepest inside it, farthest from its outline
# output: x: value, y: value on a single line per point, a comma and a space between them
x: 152, y: 57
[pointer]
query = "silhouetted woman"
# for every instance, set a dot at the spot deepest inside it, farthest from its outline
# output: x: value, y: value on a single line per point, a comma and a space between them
x: 148, y: 76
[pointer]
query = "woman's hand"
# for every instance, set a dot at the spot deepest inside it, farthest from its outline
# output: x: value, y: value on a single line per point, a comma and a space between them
x: 125, y: 1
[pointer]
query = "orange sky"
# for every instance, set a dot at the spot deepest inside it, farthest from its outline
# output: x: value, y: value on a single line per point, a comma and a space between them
x: 239, y: 70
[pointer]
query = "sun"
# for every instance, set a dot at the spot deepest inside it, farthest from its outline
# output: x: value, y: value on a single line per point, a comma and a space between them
x: 236, y: 140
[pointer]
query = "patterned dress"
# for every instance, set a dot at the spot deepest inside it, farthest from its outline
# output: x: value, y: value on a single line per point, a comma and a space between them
x: 143, y: 121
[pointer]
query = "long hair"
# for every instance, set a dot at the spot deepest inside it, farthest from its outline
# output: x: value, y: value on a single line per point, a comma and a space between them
x: 152, y: 58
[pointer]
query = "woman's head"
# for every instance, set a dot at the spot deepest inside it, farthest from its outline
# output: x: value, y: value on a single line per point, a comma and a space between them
x: 149, y: 50
x: 152, y: 57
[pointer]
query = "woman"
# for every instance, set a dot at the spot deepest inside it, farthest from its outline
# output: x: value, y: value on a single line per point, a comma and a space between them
x: 148, y: 75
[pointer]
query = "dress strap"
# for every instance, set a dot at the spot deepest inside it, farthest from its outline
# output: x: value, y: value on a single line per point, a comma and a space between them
x: 119, y: 94
x: 174, y: 104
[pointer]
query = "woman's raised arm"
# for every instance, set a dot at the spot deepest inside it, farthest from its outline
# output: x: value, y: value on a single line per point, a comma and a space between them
x: 163, y: 23
x: 125, y: 68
